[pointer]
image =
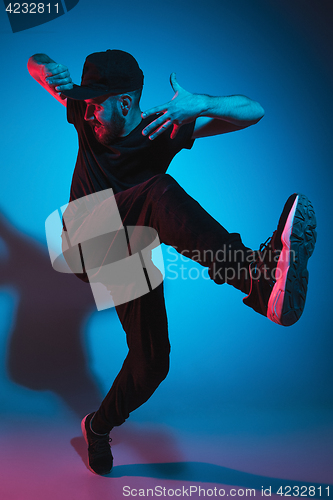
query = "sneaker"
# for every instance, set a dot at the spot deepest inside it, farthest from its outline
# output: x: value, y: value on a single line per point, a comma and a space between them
x: 279, y: 277
x: 99, y: 451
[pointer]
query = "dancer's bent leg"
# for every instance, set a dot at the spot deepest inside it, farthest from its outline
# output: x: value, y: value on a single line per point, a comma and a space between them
x: 147, y: 362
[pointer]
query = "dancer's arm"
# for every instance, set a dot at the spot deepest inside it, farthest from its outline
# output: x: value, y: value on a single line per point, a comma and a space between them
x: 52, y: 76
x: 213, y: 115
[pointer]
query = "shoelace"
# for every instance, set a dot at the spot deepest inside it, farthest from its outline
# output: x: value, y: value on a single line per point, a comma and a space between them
x: 264, y: 247
x: 266, y: 263
x: 269, y: 240
x: 265, y: 244
x: 99, y: 446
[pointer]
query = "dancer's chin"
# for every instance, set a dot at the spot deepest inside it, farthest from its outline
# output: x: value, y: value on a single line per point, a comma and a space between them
x: 101, y: 135
x: 105, y: 138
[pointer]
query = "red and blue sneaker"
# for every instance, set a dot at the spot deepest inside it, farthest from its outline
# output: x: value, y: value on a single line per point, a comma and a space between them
x: 279, y: 275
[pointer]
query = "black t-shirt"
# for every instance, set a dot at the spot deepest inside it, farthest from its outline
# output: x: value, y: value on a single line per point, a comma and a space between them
x: 131, y: 160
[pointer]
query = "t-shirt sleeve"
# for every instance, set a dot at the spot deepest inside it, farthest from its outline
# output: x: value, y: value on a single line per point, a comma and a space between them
x: 75, y: 111
x: 184, y: 136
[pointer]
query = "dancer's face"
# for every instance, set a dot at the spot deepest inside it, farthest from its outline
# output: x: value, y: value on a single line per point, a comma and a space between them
x: 103, y: 114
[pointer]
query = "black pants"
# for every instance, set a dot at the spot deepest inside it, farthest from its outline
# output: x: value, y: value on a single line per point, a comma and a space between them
x: 181, y: 222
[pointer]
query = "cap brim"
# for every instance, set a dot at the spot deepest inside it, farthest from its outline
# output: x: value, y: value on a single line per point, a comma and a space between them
x: 81, y: 93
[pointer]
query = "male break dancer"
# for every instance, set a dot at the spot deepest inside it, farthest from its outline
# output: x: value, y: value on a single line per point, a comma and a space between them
x: 129, y: 151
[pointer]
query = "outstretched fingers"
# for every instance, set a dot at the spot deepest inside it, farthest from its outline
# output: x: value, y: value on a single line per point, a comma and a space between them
x: 174, y: 131
x: 168, y: 114
x: 157, y: 127
x: 174, y: 84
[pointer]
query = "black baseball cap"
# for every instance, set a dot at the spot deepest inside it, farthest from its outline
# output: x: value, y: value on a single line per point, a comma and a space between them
x: 110, y: 72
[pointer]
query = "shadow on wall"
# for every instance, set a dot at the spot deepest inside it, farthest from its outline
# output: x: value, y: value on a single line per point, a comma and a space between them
x: 46, y: 345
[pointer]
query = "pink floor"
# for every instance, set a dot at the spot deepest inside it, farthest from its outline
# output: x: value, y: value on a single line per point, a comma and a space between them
x: 226, y: 454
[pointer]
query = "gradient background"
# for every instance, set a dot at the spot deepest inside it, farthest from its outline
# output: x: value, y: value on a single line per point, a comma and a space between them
x: 242, y: 393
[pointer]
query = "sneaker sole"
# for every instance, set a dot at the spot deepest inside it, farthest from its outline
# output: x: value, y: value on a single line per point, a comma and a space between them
x: 298, y: 238
x: 83, y: 429
x: 84, y: 432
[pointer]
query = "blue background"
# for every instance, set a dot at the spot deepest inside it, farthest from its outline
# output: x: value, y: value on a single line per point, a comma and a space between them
x: 57, y: 352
